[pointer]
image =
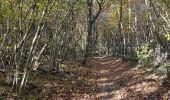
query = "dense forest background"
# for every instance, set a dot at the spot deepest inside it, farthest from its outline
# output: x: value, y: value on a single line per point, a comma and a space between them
x: 41, y: 35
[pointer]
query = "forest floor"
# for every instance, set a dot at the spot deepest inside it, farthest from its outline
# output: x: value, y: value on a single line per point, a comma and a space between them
x: 104, y: 78
x: 119, y: 80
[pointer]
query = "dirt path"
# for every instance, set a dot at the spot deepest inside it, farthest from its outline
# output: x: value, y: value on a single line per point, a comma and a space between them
x: 105, y: 78
x: 122, y: 81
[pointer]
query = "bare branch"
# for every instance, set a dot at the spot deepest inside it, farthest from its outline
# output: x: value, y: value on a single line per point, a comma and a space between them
x: 101, y: 5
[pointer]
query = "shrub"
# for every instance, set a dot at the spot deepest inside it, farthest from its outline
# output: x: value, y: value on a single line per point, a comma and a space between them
x: 144, y: 55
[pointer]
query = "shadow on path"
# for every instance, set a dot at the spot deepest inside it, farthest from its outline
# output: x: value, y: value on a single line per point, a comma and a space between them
x: 121, y: 80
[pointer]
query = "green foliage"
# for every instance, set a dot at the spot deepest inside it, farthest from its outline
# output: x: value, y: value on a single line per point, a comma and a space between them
x: 161, y: 70
x: 168, y: 36
x: 144, y: 54
x: 5, y: 9
x: 132, y: 56
x: 101, y: 48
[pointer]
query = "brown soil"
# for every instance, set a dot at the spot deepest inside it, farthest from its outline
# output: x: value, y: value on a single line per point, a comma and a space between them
x: 119, y: 80
x: 103, y: 79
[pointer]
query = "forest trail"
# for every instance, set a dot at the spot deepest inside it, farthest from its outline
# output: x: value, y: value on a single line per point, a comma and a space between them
x: 104, y: 78
x: 119, y: 80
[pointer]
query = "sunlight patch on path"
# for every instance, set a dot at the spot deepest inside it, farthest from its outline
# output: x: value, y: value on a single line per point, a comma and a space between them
x: 119, y: 80
x: 103, y: 84
x: 100, y: 57
x: 104, y: 95
x: 104, y: 71
x: 118, y: 60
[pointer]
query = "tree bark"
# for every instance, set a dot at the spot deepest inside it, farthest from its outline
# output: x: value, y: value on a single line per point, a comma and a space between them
x: 91, y: 20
